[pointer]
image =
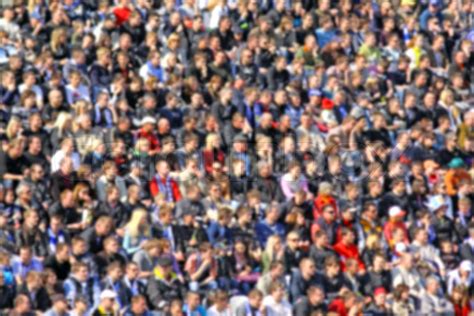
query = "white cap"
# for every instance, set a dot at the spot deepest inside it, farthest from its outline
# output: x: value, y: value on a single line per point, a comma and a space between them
x: 466, y: 265
x: 400, y: 247
x: 147, y: 120
x: 395, y: 211
x: 108, y: 294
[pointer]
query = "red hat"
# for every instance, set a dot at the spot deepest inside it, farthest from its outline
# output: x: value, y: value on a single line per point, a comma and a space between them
x: 380, y: 290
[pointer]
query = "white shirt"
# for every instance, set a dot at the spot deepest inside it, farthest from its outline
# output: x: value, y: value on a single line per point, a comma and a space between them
x: 274, y: 308
x: 75, y: 94
x: 59, y: 156
x: 212, y: 311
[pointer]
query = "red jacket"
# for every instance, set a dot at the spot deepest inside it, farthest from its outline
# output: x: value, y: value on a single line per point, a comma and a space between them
x: 155, y: 188
x: 348, y: 252
x: 338, y: 307
x: 209, y: 157
x: 388, y: 229
x: 462, y: 310
x: 154, y: 142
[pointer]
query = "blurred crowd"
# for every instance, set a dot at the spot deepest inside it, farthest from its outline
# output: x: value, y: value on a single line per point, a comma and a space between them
x: 236, y: 157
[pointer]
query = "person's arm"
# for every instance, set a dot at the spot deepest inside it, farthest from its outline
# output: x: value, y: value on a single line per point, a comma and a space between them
x: 69, y: 291
x: 127, y: 244
x: 200, y: 270
x: 295, y: 290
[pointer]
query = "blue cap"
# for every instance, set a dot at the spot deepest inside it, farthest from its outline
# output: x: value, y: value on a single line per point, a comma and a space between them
x: 434, y: 2
x: 314, y: 93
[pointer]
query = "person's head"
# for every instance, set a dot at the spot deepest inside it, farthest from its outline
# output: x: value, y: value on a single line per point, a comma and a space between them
x: 460, y: 295
x: 62, y: 252
x: 331, y: 266
x: 22, y: 304
x: 153, y: 248
x: 308, y: 268
x: 329, y: 213
x: 34, y: 281
x: 315, y: 295
x: 114, y: 271
x: 277, y: 290
x: 107, y: 300
x: 277, y: 269
x: 421, y: 236
x: 162, y: 167
x: 432, y: 285
x: 132, y: 271
x: 273, y: 214
x: 221, y: 300
x: 31, y: 219
x: 205, y: 249
x: 103, y: 225
x: 255, y: 298
x: 193, y: 300
x: 292, y: 240
x: 78, y: 246
x: 406, y: 261
x: 59, y: 303
x: 379, y: 296
x: 80, y: 271
x: 224, y: 216
x: 138, y: 305
x: 379, y: 262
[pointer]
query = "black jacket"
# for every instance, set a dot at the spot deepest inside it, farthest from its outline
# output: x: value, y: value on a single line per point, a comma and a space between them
x: 160, y: 292
x: 40, y: 301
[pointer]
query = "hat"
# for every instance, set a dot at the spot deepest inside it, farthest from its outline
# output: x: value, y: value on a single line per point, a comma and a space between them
x: 466, y: 265
x: 137, y: 164
x: 380, y: 290
x: 357, y: 113
x: 436, y: 202
x: 58, y: 298
x: 350, y: 209
x: 147, y: 120
x: 400, y: 247
x: 107, y: 294
x: 314, y: 93
x: 456, y: 163
x: 165, y: 261
x: 188, y: 211
x: 396, y: 211
x: 240, y: 138
x: 434, y: 2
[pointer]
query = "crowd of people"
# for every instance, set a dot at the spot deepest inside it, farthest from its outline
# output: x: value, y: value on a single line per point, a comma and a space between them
x: 236, y: 157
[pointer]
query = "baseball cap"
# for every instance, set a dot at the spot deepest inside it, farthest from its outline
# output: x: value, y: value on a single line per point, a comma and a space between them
x: 456, y: 163
x: 147, y: 120
x: 466, y: 265
x: 314, y: 93
x: 165, y: 261
x: 107, y: 294
x: 396, y: 211
x: 380, y: 290
x: 58, y: 298
x: 436, y: 202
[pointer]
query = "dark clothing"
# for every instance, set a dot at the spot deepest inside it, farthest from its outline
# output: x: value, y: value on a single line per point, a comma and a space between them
x: 61, y: 269
x: 160, y: 292
x: 39, y: 300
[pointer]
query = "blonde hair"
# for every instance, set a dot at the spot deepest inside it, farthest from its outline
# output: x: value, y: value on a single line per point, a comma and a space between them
x: 55, y: 38
x: 93, y: 144
x: 11, y: 125
x: 134, y: 228
x: 372, y: 241
x: 272, y: 240
x: 62, y: 121
x: 210, y: 140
